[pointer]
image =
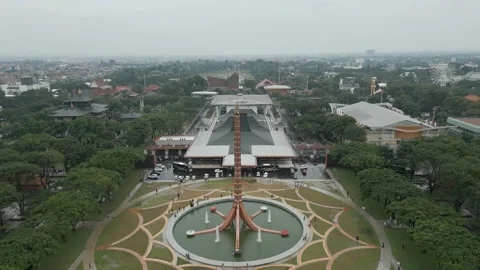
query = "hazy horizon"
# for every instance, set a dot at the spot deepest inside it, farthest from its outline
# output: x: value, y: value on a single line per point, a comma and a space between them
x: 55, y: 28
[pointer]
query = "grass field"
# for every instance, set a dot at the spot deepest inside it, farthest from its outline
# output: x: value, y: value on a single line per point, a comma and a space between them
x: 314, y: 251
x: 119, y: 227
x: 354, y: 224
x: 160, y: 252
x: 358, y: 259
x: 410, y: 257
x: 66, y: 256
x: 116, y: 260
x: 149, y: 187
x: 351, y: 184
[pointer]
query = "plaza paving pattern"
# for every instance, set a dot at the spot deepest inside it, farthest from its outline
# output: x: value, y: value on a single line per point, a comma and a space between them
x: 142, y: 241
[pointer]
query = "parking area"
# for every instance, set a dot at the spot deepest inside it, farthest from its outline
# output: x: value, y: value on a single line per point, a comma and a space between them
x: 314, y: 171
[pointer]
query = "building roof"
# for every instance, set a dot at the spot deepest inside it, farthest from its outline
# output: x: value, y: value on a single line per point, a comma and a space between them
x: 258, y: 139
x: 97, y: 83
x: 263, y: 83
x: 472, y: 98
x: 152, y: 87
x: 120, y: 88
x: 277, y: 87
x: 232, y: 82
x: 241, y: 100
x: 79, y: 99
x: 130, y: 115
x: 78, y: 111
x: 474, y: 121
x: 373, y: 115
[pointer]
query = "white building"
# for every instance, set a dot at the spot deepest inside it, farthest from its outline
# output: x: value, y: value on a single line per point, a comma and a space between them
x: 385, y: 124
x: 18, y: 88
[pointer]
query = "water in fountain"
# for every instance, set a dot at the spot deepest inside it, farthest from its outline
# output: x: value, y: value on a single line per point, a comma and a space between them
x: 269, y: 220
x: 217, y: 235
x: 259, y: 236
x: 206, y: 217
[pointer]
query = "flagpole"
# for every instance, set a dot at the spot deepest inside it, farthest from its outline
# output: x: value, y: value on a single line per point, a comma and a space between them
x: 381, y: 97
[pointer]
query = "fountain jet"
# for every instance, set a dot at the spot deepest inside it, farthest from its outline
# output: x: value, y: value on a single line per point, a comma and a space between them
x: 217, y: 235
x: 206, y: 218
x: 269, y: 220
x: 259, y: 235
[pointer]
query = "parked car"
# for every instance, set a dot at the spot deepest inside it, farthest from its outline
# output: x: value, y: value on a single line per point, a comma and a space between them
x: 158, y: 169
x: 303, y: 167
x: 187, y: 178
x: 180, y: 177
x: 161, y: 166
x: 265, y: 175
x: 258, y: 174
x: 154, y: 174
x: 175, y: 177
x: 152, y: 177
x: 194, y: 177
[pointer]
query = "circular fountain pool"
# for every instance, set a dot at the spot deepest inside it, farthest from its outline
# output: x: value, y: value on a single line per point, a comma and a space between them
x: 203, y: 248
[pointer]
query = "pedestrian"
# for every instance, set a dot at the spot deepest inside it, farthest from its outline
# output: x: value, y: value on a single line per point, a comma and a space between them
x: 357, y: 237
x: 90, y: 264
x: 383, y: 245
x: 156, y: 191
x: 403, y: 246
x: 170, y: 185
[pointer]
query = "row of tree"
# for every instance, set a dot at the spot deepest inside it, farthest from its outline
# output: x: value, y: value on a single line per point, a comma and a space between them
x: 445, y: 165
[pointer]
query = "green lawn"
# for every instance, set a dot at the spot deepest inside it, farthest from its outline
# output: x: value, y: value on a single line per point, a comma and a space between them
x: 299, y: 205
x: 66, y: 256
x: 149, y: 187
x: 336, y: 242
x: 80, y: 266
x: 119, y: 227
x: 318, y: 197
x: 362, y: 259
x: 354, y: 224
x: 137, y: 242
x: 156, y: 226
x: 287, y: 194
x: 350, y: 183
x: 116, y: 260
x: 119, y: 195
x: 160, y: 252
x: 411, y: 258
x: 152, y: 213
x: 314, y: 251
x: 181, y: 261
x: 326, y: 213
x: 315, y: 266
x: 291, y: 261
x: 321, y: 226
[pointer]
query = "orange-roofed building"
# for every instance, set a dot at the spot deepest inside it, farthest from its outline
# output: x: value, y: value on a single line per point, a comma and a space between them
x: 473, y: 98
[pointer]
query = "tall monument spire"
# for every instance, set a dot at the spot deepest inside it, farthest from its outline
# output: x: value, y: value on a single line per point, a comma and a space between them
x: 238, y: 211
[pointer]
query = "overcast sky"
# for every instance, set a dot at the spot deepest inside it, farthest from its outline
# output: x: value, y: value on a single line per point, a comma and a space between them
x: 242, y: 27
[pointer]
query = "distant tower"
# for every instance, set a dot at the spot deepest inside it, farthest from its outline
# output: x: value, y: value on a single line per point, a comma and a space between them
x: 142, y: 105
x: 373, y: 86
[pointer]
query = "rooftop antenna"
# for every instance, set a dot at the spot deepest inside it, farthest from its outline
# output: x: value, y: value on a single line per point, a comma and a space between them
x: 373, y: 86
x: 144, y: 82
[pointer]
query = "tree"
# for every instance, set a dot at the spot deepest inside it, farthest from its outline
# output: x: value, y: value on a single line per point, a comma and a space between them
x: 460, y: 179
x: 94, y: 131
x: 69, y: 206
x: 358, y: 161
x: 385, y: 185
x: 121, y: 160
x: 46, y: 160
x: 8, y: 195
x: 355, y: 133
x: 138, y: 132
x: 9, y: 155
x: 73, y: 151
x: 413, y: 209
x: 34, y: 142
x: 25, y: 248
x: 336, y: 126
x: 14, y: 172
x: 98, y: 182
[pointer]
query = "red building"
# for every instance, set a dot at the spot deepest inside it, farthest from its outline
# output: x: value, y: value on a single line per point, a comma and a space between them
x: 231, y: 83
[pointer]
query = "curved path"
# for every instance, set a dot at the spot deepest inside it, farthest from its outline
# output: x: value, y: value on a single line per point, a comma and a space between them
x: 87, y: 255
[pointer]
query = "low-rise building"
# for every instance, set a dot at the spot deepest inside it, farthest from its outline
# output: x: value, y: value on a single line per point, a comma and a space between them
x: 348, y: 83
x: 79, y: 106
x: 387, y: 125
x: 277, y: 89
x: 464, y: 124
x: 230, y: 83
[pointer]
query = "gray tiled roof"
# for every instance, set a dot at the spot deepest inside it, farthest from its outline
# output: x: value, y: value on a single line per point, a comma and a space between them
x: 372, y: 115
x: 131, y: 115
x: 257, y: 138
x: 77, y: 111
